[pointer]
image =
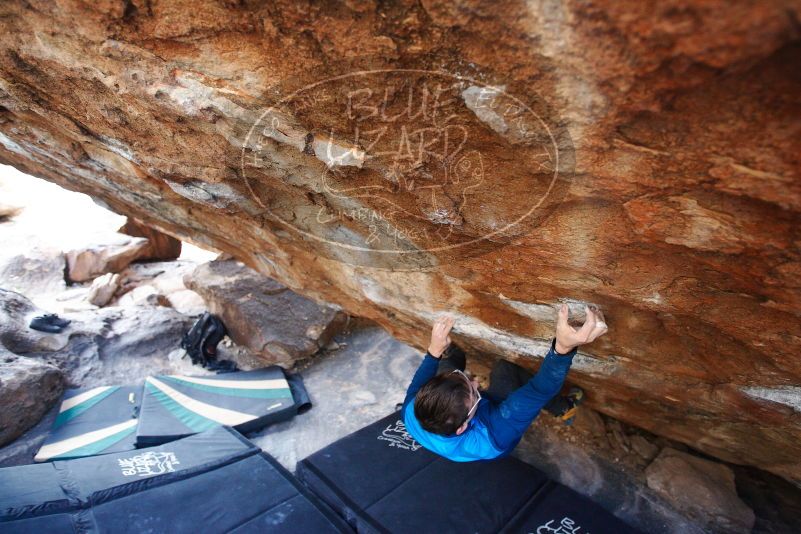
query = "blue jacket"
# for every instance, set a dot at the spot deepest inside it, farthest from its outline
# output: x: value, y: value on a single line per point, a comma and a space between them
x: 496, y: 428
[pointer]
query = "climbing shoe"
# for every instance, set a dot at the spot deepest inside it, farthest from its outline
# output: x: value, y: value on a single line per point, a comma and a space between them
x: 565, y: 407
x: 50, y: 323
x: 55, y: 319
x: 574, y: 398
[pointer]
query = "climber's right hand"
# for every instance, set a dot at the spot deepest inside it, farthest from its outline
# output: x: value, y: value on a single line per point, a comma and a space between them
x: 440, y: 338
x: 568, y: 338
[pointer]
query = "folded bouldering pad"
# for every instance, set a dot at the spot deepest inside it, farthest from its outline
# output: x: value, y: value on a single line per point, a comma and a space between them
x: 93, y: 421
x: 176, y: 406
x: 380, y: 479
x: 215, y: 481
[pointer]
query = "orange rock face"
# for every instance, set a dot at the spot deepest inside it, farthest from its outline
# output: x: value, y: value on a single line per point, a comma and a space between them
x: 485, y: 159
x: 160, y: 246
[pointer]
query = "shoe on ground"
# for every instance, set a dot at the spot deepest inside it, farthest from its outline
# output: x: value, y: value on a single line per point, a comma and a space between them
x: 44, y: 324
x: 56, y: 320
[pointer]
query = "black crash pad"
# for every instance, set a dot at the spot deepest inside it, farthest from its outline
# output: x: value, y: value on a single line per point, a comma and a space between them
x: 215, y: 481
x: 380, y: 479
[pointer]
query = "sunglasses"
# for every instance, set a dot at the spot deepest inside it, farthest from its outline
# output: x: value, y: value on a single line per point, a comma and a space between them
x: 472, y: 410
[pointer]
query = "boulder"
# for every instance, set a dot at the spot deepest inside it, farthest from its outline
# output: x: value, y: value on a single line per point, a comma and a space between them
x: 116, y: 345
x: 160, y: 283
x: 171, y: 278
x: 164, y: 283
x: 701, y: 488
x: 22, y: 450
x: 111, y: 257
x: 165, y: 277
x: 160, y: 246
x: 16, y: 312
x: 28, y: 389
x: 137, y: 341
x: 644, y: 448
x: 141, y: 296
x: 586, y: 463
x: 100, y: 346
x: 643, y: 159
x: 187, y: 302
x: 74, y: 299
x: 103, y: 288
x: 36, y: 272
x: 588, y: 420
x: 8, y: 212
x: 262, y: 314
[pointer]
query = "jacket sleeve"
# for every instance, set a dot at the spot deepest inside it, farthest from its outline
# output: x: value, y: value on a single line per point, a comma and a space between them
x: 509, y: 420
x: 426, y: 371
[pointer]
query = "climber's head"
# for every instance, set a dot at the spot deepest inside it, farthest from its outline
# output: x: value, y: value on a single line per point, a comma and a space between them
x: 446, y: 403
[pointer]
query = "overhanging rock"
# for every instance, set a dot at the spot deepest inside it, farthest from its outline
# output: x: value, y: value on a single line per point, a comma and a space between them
x: 402, y: 161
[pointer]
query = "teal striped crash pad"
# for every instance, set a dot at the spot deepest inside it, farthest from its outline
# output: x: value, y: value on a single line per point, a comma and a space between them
x: 108, y: 419
x: 175, y: 406
x: 93, y: 421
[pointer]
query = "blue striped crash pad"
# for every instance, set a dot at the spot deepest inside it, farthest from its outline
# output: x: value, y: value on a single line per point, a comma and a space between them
x: 215, y: 481
x: 93, y: 421
x: 175, y: 406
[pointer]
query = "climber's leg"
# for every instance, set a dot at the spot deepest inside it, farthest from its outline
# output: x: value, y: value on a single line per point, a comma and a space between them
x: 506, y: 377
x: 452, y: 359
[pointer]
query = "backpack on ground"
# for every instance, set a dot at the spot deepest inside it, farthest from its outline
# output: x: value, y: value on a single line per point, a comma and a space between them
x: 200, y: 343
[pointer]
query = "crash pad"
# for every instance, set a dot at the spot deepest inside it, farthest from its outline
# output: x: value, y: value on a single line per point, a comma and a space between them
x: 93, y: 421
x: 214, y: 481
x: 380, y: 479
x: 176, y: 406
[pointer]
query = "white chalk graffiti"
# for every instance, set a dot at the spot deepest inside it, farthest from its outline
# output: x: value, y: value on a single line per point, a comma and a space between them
x: 149, y: 464
x: 397, y: 436
x: 566, y: 526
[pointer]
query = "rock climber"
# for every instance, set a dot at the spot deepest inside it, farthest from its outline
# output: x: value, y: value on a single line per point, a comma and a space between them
x: 445, y: 411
